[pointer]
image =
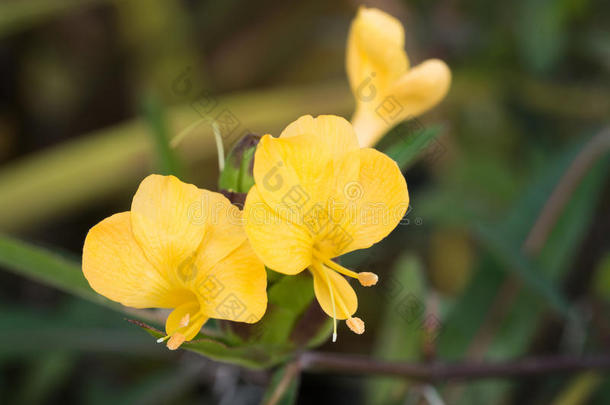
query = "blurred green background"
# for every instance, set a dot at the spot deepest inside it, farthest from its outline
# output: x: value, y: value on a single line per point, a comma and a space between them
x: 87, y: 86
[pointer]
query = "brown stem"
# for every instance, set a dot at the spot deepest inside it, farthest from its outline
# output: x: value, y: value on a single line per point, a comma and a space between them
x: 596, y: 148
x: 354, y: 364
x: 292, y: 370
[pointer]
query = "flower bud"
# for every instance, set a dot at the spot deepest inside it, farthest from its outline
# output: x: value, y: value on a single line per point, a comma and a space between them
x: 236, y: 176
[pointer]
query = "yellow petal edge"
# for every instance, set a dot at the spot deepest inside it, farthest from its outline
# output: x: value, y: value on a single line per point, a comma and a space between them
x: 179, y: 247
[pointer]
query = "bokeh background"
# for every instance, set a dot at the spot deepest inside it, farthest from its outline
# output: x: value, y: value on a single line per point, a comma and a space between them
x: 83, y: 84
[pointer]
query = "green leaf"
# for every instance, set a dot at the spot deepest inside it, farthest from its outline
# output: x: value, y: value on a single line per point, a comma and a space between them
x: 399, y: 337
x: 541, y: 274
x: 579, y: 389
x: 556, y: 257
x: 505, y: 240
x: 470, y: 310
x: 409, y: 141
x: 288, y: 299
x: 76, y: 327
x: 251, y: 355
x: 542, y: 31
x: 574, y: 222
x: 48, y: 267
x: 510, y: 255
x: 601, y: 280
x: 256, y: 356
x: 602, y: 395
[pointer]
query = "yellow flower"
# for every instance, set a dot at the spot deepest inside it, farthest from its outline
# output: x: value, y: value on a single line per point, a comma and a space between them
x: 387, y: 91
x: 318, y: 196
x: 179, y: 247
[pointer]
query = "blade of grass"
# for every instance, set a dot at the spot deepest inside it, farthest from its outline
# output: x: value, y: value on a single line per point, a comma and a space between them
x: 47, y: 267
x: 30, y: 334
x: 523, y: 268
x: 168, y: 161
x: 59, y: 271
x: 406, y: 145
x: 399, y: 337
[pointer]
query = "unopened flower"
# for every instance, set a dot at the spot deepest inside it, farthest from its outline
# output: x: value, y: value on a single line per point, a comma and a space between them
x: 386, y: 89
x: 317, y: 196
x: 179, y: 247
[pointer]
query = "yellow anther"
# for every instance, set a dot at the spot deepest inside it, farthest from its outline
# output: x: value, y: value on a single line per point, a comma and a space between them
x: 356, y: 325
x: 367, y: 279
x: 175, y: 341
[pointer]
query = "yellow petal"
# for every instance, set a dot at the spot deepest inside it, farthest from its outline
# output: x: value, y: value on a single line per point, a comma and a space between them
x: 325, y: 221
x: 235, y: 287
x: 422, y: 87
x: 283, y: 246
x: 224, y: 230
x: 332, y: 135
x: 375, y: 52
x: 168, y: 220
x: 302, y: 177
x: 296, y: 171
x: 369, y: 126
x: 186, y: 312
x: 418, y: 90
x: 328, y: 138
x: 383, y: 203
x: 346, y: 302
x: 115, y: 267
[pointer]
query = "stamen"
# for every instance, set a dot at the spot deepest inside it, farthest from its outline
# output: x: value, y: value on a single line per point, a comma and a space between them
x: 367, y: 279
x: 340, y: 269
x: 175, y: 341
x: 356, y: 325
x: 163, y: 339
